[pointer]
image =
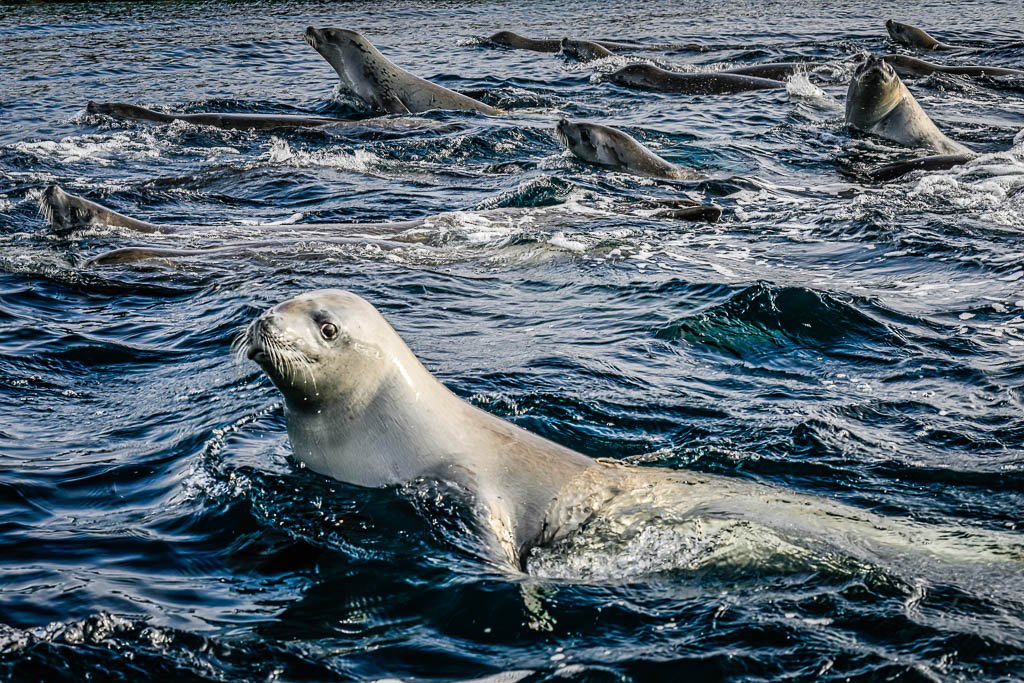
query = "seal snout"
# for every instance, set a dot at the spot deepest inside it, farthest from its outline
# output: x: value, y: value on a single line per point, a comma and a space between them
x: 263, y: 333
x: 312, y: 37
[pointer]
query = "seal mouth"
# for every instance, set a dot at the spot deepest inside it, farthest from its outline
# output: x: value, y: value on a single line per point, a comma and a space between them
x: 265, y: 344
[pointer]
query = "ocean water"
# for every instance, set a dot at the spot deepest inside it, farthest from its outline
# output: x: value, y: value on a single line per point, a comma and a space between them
x: 857, y: 341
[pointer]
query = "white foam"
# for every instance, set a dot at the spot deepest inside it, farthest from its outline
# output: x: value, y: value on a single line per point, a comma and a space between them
x: 360, y: 160
x: 103, y: 149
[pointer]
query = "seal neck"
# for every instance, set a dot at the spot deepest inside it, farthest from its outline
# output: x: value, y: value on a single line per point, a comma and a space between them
x: 403, y: 429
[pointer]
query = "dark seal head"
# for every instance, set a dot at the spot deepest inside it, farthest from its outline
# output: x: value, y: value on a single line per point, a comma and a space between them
x: 905, y: 34
x: 874, y: 91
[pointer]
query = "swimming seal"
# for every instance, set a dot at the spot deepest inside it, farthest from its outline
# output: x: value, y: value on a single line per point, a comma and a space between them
x: 362, y: 409
x: 606, y: 146
x: 584, y: 50
x: 379, y: 83
x: 230, y: 121
x: 518, y: 42
x: 775, y: 71
x: 907, y: 66
x: 244, y: 121
x: 905, y: 34
x: 877, y: 102
x: 650, y: 77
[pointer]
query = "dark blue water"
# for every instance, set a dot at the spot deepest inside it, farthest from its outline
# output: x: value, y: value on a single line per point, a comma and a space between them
x: 856, y: 341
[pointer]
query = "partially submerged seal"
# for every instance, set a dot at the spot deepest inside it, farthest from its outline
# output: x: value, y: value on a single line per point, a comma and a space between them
x: 362, y: 409
x: 650, y: 77
x: 912, y: 36
x: 610, y: 147
x: 378, y: 82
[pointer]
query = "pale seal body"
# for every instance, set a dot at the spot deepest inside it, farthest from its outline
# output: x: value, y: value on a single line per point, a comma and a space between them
x: 362, y: 409
x: 650, y: 77
x: 905, y: 34
x: 379, y: 83
x: 877, y: 102
x: 606, y: 146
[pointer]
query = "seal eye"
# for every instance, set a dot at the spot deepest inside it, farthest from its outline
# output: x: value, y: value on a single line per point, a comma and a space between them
x: 328, y: 331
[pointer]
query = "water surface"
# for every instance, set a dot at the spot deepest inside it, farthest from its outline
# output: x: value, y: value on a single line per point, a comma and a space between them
x: 832, y: 336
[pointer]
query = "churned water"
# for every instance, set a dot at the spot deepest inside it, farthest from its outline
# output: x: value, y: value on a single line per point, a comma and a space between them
x: 833, y: 336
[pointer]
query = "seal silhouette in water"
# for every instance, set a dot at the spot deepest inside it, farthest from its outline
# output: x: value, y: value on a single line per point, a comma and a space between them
x: 650, y: 77
x: 606, y: 146
x: 378, y: 82
x: 362, y: 409
x: 241, y: 121
x: 905, y: 66
x: 912, y: 36
x: 584, y: 50
x: 878, y: 103
x: 518, y: 42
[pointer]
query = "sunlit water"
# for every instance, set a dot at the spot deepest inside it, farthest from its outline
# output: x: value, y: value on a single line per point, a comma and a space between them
x: 830, y: 336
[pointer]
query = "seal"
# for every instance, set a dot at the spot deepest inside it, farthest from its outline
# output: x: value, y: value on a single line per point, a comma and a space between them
x: 229, y: 121
x: 245, y: 121
x: 650, y: 77
x: 775, y: 71
x: 609, y: 147
x: 584, y: 50
x: 911, y: 36
x: 907, y: 66
x: 67, y: 212
x: 362, y: 409
x: 378, y: 82
x: 517, y: 42
x: 877, y: 102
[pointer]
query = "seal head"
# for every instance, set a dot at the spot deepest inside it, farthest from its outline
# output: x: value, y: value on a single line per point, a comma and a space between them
x: 905, y: 34
x: 875, y: 90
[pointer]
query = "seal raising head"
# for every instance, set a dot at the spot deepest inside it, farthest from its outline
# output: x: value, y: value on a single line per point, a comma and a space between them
x: 877, y: 102
x: 905, y: 34
x: 378, y: 82
x: 362, y: 409
x: 606, y: 146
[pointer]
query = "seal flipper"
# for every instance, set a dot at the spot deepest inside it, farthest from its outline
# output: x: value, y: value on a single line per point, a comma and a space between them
x: 390, y: 103
x: 67, y: 213
x: 937, y: 162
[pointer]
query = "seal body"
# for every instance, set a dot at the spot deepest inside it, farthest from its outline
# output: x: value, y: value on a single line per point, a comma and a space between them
x: 650, y: 77
x: 248, y: 121
x: 362, y: 409
x: 775, y: 71
x: 877, y: 102
x: 905, y: 34
x: 518, y: 42
x: 379, y: 83
x: 229, y: 121
x: 606, y: 146
x: 906, y: 66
